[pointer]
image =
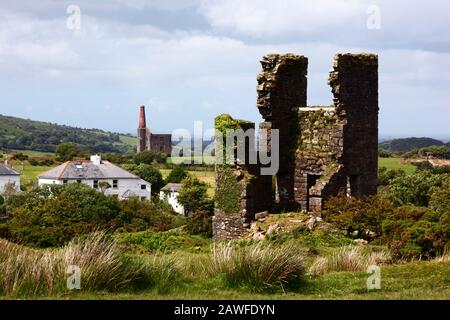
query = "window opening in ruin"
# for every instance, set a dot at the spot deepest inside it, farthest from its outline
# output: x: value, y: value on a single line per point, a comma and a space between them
x: 311, y: 181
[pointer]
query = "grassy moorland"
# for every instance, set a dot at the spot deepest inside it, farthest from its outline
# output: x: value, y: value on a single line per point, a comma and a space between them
x: 185, y: 271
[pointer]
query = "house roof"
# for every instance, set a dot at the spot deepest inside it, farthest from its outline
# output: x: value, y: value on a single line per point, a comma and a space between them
x: 172, y: 187
x: 85, y: 169
x: 6, y: 171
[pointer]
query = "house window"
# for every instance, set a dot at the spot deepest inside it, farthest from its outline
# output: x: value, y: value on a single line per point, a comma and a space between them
x: 95, y: 184
x: 78, y: 181
x: 143, y: 198
x: 115, y: 184
x: 64, y: 181
x: 143, y: 187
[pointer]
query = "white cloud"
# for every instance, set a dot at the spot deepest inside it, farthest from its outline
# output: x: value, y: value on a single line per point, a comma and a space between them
x: 269, y: 18
x: 186, y: 75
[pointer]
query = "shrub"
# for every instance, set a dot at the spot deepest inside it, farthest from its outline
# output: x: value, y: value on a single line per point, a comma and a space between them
x: 259, y: 267
x: 414, y: 232
x: 440, y: 199
x: 383, y: 153
x: 53, y: 215
x: 176, y: 175
x: 19, y: 156
x: 414, y: 188
x: 200, y: 223
x: 385, y: 176
x: 145, y: 157
x: 136, y: 215
x: 349, y: 258
x: 193, y: 195
x: 362, y: 217
x: 33, y: 162
x: 147, y: 173
x: 66, y: 151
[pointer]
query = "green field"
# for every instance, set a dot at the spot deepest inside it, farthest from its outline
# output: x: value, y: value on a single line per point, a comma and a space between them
x: 131, y: 141
x: 396, y: 163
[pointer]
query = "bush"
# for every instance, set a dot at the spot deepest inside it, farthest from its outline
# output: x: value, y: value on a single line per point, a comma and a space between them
x: 258, y: 267
x: 200, y: 223
x: 33, y: 162
x: 385, y: 176
x: 360, y: 217
x: 147, y: 173
x: 440, y: 199
x: 19, y: 156
x: 66, y: 151
x: 383, y: 153
x: 176, y: 175
x: 415, y: 188
x: 414, y: 232
x: 53, y: 215
x: 193, y: 195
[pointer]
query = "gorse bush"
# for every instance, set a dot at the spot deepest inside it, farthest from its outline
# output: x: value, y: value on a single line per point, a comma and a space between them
x: 385, y: 176
x: 349, y: 258
x: 415, y: 188
x: 258, y: 267
x: 414, y: 232
x: 361, y: 216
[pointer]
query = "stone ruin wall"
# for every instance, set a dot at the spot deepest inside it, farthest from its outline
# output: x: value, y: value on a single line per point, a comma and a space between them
x: 323, y: 150
x: 240, y: 191
x: 281, y: 91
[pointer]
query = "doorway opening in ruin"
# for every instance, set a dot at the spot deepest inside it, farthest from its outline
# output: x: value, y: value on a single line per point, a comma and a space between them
x: 311, y: 181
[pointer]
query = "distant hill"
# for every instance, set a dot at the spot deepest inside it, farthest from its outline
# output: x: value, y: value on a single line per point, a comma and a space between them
x: 408, y: 144
x: 24, y: 134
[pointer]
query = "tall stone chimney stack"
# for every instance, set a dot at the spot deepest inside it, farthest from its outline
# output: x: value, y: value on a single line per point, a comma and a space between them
x: 142, y: 131
x: 142, y: 122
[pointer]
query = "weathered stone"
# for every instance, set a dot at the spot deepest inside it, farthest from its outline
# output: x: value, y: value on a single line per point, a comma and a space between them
x: 323, y: 150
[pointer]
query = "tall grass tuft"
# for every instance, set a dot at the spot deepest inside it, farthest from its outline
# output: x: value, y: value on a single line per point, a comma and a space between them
x: 349, y: 258
x: 103, y: 267
x: 260, y: 267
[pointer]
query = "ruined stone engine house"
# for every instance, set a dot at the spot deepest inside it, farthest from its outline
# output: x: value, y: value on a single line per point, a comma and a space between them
x: 323, y: 150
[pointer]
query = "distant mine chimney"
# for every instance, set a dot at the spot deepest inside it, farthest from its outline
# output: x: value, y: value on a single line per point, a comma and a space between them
x: 142, y: 123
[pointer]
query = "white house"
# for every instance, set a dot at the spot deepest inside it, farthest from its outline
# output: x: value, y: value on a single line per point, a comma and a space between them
x: 170, y: 194
x: 122, y: 184
x: 8, y: 175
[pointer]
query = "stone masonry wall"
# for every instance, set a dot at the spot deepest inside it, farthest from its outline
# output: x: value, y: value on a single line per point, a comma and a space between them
x: 354, y: 83
x: 281, y: 91
x: 240, y: 191
x: 323, y: 150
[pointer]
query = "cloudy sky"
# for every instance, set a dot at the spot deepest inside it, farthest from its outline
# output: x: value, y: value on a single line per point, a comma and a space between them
x: 194, y: 59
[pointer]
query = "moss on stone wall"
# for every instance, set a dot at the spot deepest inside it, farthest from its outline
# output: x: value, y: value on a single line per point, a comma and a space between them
x: 316, y: 130
x: 228, y: 189
x: 225, y: 122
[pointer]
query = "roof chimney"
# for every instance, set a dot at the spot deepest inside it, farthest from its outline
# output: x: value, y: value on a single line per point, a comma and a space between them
x: 97, y: 160
x: 142, y: 123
